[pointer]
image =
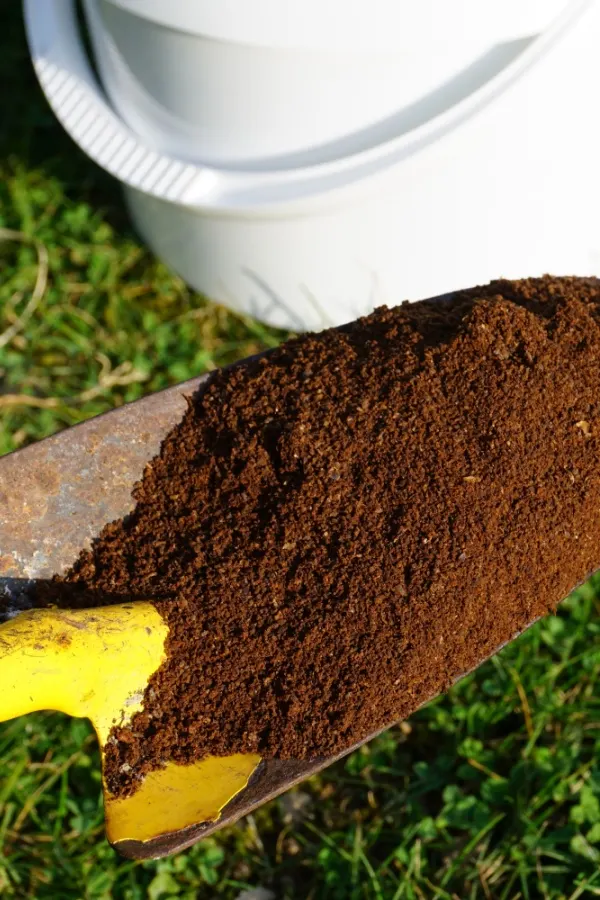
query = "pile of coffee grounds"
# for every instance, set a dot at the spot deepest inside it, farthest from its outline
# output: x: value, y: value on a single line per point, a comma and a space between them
x: 336, y: 531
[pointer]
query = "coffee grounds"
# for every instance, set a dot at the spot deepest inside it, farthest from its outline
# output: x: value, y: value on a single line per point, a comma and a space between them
x: 339, y: 529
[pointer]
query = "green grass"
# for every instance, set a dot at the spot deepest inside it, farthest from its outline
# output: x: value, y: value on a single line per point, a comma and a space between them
x: 490, y: 792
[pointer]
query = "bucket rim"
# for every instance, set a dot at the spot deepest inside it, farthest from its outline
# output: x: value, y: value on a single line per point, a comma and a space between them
x: 78, y: 102
x: 349, y: 25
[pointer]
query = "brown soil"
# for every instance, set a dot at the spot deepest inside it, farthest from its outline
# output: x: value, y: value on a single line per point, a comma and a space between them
x: 340, y: 529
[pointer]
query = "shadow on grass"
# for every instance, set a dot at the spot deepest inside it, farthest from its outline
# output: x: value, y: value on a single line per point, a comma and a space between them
x: 31, y: 138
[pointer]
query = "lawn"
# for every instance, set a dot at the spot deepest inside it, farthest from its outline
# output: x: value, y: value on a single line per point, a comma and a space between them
x: 490, y: 792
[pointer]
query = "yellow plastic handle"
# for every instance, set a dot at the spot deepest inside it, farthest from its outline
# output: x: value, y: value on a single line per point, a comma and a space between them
x: 97, y: 663
x: 88, y: 662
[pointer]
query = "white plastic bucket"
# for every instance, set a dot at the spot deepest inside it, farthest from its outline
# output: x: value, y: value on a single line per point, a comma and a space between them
x: 245, y: 82
x: 494, y: 178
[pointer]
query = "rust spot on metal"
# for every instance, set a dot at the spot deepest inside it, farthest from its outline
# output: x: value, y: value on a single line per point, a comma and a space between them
x: 7, y: 564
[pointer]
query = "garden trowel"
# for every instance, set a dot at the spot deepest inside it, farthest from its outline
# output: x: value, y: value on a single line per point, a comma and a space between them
x: 55, y: 497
